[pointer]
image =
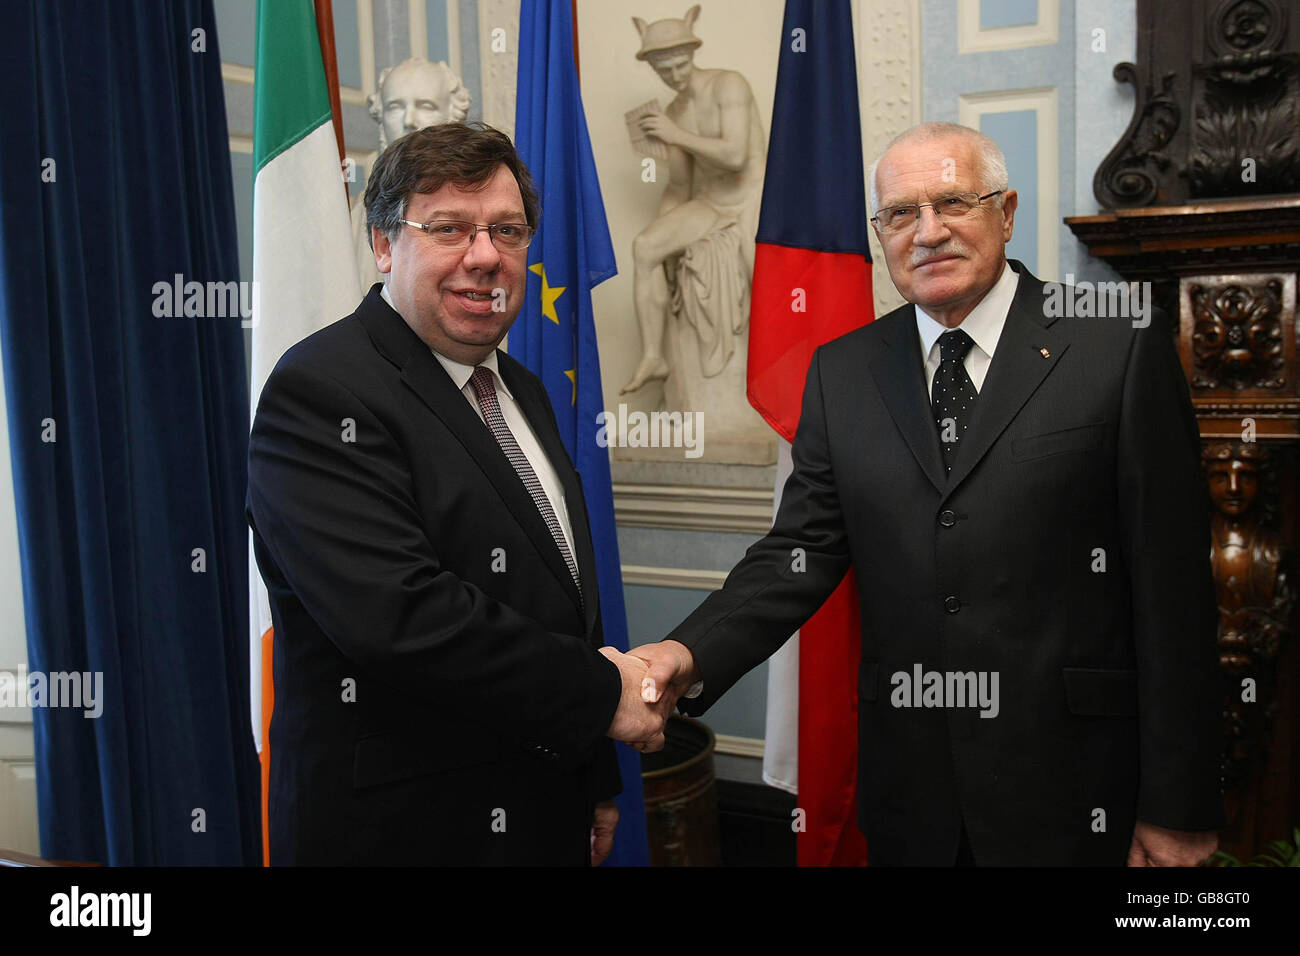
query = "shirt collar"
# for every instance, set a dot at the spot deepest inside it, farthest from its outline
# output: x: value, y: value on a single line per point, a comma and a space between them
x: 459, y: 372
x: 985, y: 322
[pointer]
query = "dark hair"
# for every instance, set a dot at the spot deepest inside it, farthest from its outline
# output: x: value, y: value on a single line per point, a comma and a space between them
x: 464, y: 154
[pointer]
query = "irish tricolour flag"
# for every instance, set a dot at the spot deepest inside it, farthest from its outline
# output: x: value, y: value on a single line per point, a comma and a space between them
x: 303, y: 267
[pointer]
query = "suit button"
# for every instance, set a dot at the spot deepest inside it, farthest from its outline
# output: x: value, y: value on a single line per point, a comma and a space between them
x: 947, y: 518
x: 952, y: 604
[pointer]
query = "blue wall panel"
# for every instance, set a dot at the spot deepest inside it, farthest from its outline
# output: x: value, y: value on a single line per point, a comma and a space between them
x: 435, y: 16
x: 236, y: 28
x: 1016, y: 132
x: 347, y: 45
x: 654, y: 611
x: 1007, y: 13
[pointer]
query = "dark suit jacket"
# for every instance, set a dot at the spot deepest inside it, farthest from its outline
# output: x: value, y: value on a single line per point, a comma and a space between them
x: 430, y: 707
x: 1107, y: 678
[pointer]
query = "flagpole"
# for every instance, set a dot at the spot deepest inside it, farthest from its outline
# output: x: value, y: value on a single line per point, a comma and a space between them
x: 577, y: 67
x: 329, y: 58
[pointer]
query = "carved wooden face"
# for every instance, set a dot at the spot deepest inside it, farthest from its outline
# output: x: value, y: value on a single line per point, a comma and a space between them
x: 1234, y: 483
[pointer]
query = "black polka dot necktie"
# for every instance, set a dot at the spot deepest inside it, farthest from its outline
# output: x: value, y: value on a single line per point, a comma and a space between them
x: 953, y: 394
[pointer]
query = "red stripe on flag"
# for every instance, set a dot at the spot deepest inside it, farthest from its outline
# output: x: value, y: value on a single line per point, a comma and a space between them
x: 801, y: 299
x: 830, y: 647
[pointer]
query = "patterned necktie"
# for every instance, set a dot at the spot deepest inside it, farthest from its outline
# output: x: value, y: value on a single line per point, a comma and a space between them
x: 953, y: 393
x: 486, y: 391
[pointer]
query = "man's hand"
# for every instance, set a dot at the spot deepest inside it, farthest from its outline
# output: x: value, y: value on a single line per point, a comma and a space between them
x: 603, y: 823
x: 671, y: 669
x: 639, y: 720
x: 1157, y: 846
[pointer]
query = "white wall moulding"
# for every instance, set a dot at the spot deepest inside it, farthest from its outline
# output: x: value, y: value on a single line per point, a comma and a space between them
x: 695, y: 580
x: 971, y: 39
x: 237, y: 73
x: 417, y: 17
x: 18, y: 816
x: 688, y: 508
x: 498, y: 68
x: 453, y: 36
x: 887, y: 41
x: 366, y: 45
x: 739, y: 746
x: 19, y: 829
x: 1043, y: 102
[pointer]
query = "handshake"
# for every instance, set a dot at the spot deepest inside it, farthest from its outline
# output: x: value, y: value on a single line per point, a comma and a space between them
x: 654, y: 677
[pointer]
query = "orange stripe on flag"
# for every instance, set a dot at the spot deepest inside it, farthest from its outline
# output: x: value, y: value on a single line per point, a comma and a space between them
x: 268, y: 702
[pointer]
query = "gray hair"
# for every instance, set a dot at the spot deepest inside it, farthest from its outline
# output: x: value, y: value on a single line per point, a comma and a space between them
x: 992, y: 161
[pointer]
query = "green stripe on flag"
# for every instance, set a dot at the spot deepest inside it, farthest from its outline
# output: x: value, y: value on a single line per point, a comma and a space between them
x: 290, y: 96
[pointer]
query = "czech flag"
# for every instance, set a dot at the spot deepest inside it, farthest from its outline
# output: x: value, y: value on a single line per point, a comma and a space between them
x: 812, y: 283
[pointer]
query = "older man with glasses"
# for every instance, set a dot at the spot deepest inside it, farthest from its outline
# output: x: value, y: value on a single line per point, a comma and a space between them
x: 1020, y: 496
x: 441, y: 692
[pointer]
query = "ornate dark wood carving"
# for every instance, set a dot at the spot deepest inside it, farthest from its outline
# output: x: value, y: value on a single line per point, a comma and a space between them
x: 1227, y: 268
x: 1131, y: 174
x: 1252, y: 583
x: 1217, y: 105
x: 1244, y: 119
x: 1238, y: 337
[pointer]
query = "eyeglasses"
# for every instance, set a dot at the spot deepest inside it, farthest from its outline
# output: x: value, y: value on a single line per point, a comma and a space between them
x: 454, y: 234
x: 895, y: 219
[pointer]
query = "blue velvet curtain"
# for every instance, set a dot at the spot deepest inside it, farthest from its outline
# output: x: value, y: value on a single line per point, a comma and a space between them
x: 128, y: 426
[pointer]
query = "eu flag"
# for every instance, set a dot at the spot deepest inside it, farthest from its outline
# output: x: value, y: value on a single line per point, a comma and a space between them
x: 555, y: 335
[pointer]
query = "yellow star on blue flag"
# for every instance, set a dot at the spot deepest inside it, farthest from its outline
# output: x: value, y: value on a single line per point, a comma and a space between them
x: 549, y: 293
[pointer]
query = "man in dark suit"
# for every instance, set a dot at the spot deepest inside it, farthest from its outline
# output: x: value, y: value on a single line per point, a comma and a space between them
x: 1020, y: 496
x: 441, y: 693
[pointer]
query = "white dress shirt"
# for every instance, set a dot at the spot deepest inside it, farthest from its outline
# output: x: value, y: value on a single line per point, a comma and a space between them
x: 983, y: 325
x: 517, y: 423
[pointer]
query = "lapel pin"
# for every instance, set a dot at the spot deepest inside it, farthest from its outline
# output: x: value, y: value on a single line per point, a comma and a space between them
x: 1044, y: 352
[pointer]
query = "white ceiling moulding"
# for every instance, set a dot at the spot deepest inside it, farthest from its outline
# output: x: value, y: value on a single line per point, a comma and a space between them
x: 686, y: 508
x: 971, y: 39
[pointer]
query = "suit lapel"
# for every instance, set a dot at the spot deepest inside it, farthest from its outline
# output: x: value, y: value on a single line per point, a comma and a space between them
x: 899, y: 372
x: 421, y: 373
x: 1019, y: 366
